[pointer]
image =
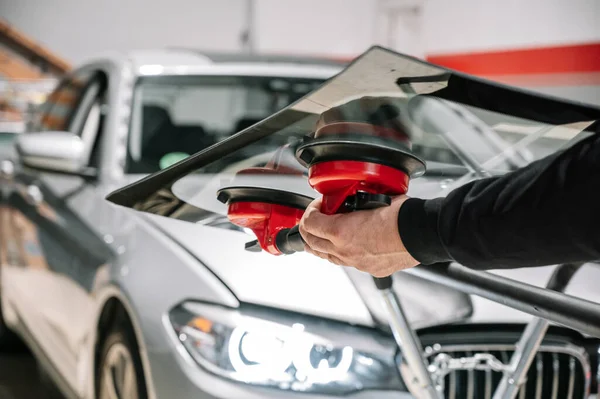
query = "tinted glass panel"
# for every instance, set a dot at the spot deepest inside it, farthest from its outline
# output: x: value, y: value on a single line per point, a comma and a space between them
x: 463, y: 128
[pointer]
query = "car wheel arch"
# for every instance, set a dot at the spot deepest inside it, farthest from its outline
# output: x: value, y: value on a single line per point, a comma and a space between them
x: 114, y: 308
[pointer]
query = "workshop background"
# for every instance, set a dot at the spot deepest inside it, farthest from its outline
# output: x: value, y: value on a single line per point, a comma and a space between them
x: 552, y: 45
x: 549, y: 45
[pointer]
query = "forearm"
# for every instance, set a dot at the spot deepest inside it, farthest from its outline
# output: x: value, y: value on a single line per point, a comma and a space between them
x: 545, y: 213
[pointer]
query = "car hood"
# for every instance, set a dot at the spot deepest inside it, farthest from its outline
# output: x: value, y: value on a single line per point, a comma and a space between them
x: 306, y: 284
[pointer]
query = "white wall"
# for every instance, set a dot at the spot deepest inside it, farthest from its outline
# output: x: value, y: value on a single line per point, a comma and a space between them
x: 321, y: 27
x: 476, y: 25
x: 76, y: 29
x: 422, y: 27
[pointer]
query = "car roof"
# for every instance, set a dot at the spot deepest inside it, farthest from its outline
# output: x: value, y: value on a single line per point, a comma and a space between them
x: 218, y: 57
x: 179, y: 61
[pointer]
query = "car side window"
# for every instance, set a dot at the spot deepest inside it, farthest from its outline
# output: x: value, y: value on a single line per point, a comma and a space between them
x: 60, y: 107
x: 78, y: 105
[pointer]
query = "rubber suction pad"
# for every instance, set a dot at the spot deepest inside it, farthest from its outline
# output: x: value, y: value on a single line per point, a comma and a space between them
x: 230, y: 195
x: 266, y: 212
x: 357, y: 147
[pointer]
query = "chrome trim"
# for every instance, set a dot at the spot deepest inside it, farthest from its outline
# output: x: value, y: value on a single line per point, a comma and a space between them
x: 571, y: 378
x: 489, y: 382
x: 452, y: 385
x: 539, y: 384
x: 470, y: 380
x: 555, y: 372
x: 574, y: 351
x: 521, y: 359
x: 242, y: 69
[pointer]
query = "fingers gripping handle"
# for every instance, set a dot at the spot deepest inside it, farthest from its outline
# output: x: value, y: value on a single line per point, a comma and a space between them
x: 289, y: 240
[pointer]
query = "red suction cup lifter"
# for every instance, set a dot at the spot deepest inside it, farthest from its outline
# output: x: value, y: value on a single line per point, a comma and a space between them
x: 265, y: 220
x: 265, y: 211
x: 340, y: 181
x: 358, y: 165
x: 353, y: 165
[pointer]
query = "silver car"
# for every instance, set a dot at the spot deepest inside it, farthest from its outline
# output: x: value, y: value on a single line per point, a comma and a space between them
x: 122, y: 304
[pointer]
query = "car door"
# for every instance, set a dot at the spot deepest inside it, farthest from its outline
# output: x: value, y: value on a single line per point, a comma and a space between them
x: 54, y: 255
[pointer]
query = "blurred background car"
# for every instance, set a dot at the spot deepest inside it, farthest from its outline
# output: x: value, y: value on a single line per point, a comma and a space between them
x: 178, y: 102
x: 267, y: 54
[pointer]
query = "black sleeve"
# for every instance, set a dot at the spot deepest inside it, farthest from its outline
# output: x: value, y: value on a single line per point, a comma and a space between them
x: 545, y: 213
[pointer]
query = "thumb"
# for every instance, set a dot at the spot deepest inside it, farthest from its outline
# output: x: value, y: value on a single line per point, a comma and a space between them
x: 316, y: 204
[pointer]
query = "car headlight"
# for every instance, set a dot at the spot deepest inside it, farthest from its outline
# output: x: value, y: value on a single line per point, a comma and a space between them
x: 271, y: 348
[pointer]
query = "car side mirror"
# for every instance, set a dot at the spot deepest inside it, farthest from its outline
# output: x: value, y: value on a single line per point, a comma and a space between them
x: 60, y: 152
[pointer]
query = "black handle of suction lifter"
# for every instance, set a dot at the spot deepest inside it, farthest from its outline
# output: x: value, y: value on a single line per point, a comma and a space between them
x: 383, y: 283
x: 289, y: 241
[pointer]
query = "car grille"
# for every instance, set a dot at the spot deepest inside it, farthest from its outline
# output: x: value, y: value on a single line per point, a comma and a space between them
x: 557, y: 372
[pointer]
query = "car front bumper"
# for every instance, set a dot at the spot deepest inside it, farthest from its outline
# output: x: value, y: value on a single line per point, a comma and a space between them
x: 176, y: 375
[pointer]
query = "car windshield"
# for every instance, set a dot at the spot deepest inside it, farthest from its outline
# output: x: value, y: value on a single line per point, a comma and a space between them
x: 176, y: 116
x: 462, y: 127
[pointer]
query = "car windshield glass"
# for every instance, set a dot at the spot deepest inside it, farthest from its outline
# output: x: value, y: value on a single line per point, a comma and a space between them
x: 461, y: 127
x: 176, y: 116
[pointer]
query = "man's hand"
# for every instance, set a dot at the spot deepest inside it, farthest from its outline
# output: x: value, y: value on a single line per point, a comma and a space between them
x: 367, y: 240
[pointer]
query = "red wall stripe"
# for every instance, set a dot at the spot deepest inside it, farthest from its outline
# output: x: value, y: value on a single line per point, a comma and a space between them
x: 580, y: 58
x: 548, y: 79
